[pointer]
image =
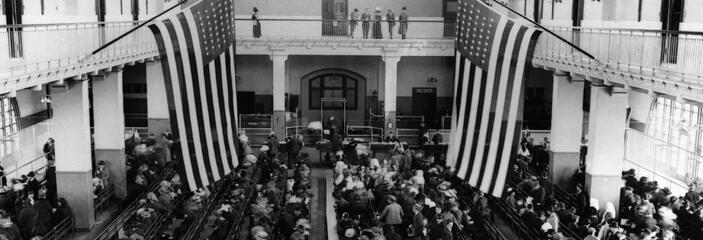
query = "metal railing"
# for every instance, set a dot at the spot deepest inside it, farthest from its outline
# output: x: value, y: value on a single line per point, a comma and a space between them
x: 673, y: 55
x: 113, y: 228
x: 36, y: 48
x: 243, y: 207
x: 367, y: 133
x: 61, y: 230
x: 341, y: 29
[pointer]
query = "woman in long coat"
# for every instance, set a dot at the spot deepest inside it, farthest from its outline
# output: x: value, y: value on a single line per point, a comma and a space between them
x: 377, y: 32
x: 257, y: 24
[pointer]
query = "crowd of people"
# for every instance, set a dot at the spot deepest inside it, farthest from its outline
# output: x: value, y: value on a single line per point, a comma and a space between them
x: 402, y: 195
x: 281, y: 206
x: 646, y: 210
x: 29, y: 206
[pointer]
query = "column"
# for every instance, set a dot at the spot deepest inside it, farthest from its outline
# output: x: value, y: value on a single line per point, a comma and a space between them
x: 606, y: 143
x: 567, y: 124
x: 390, y: 93
x: 279, y: 94
x: 73, y: 156
x: 109, y: 128
x: 156, y: 101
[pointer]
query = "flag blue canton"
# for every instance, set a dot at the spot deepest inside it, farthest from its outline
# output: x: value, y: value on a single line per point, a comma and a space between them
x: 215, y: 22
x: 477, y: 28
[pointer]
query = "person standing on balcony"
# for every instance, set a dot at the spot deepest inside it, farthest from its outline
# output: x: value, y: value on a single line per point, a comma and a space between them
x: 377, y: 33
x: 257, y: 24
x: 403, y: 19
x: 390, y: 17
x: 365, y: 18
x: 354, y: 19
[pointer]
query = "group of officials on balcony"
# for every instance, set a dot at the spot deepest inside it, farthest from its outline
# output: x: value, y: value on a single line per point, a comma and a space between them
x: 377, y: 32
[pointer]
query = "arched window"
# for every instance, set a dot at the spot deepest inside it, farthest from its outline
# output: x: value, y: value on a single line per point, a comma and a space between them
x: 333, y: 86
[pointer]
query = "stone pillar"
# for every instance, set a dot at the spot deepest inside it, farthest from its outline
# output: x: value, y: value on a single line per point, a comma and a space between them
x: 73, y: 156
x: 390, y: 93
x: 156, y: 101
x: 109, y: 128
x: 279, y: 94
x: 606, y: 143
x: 567, y: 119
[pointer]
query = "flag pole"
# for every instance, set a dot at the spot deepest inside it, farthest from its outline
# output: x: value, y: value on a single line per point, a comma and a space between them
x: 548, y: 31
x: 135, y: 28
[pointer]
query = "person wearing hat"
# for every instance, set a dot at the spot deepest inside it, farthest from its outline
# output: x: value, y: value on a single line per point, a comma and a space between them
x: 392, y: 214
x: 102, y: 173
x: 377, y: 32
x: 33, y: 184
x: 365, y: 18
x: 403, y: 29
x: 261, y: 235
x: 390, y: 18
x: 273, y: 144
x: 301, y: 232
x: 256, y: 23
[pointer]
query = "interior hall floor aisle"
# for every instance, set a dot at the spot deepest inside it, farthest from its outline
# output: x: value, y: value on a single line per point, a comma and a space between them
x: 318, y: 208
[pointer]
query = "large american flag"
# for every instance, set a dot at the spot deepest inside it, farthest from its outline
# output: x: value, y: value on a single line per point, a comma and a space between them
x: 196, y: 45
x: 491, y: 54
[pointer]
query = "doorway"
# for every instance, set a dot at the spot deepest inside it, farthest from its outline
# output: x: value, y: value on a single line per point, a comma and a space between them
x: 135, y: 10
x: 14, y: 9
x: 425, y: 104
x: 671, y: 17
x: 333, y: 83
x: 449, y: 10
x: 334, y: 18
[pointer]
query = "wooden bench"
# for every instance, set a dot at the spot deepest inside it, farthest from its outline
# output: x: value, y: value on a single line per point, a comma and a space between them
x: 62, y: 230
x: 103, y: 198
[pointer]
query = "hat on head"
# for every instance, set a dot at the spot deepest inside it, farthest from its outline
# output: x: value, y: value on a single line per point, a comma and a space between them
x: 350, y: 232
x: 261, y: 235
x: 404, y: 8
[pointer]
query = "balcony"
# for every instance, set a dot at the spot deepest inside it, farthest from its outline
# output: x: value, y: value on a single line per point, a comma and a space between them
x: 662, y: 61
x: 38, y: 53
x: 34, y: 54
x: 666, y: 62
x: 328, y: 37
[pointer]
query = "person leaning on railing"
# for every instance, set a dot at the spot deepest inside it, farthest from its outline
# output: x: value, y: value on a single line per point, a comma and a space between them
x: 353, y: 21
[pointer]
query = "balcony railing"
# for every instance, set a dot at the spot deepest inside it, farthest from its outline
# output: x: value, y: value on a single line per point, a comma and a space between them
x: 305, y: 29
x: 675, y: 56
x: 35, y: 48
x: 42, y: 48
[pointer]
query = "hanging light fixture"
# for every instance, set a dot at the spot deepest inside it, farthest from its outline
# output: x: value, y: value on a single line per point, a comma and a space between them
x: 45, y: 99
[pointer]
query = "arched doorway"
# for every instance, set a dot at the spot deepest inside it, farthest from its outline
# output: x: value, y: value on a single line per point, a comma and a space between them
x: 333, y: 83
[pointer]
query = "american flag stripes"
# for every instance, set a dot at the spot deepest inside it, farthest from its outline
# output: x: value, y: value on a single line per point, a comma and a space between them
x: 491, y: 54
x: 196, y: 46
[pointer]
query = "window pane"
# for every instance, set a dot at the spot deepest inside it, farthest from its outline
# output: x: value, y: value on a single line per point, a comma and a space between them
x: 315, y: 98
x: 351, y: 99
x: 315, y: 83
x: 333, y: 81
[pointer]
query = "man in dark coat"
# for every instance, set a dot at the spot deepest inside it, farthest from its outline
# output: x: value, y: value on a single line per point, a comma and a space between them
x: 287, y: 222
x: 7, y: 228
x: 273, y: 144
x: 294, y: 147
x: 27, y: 220
x: 33, y: 184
